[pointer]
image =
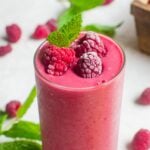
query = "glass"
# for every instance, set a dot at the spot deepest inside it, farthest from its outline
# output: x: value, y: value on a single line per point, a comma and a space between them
x: 79, y: 118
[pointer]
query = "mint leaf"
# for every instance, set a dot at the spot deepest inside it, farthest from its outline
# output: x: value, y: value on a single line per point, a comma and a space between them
x: 58, y: 38
x: 24, y: 129
x: 107, y: 30
x: 86, y: 4
x: 67, y: 33
x: 23, y: 109
x: 20, y: 145
x: 66, y: 15
x: 3, y: 117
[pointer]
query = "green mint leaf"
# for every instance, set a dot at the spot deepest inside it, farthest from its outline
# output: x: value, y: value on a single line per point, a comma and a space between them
x: 86, y: 4
x: 58, y: 38
x: 67, y: 33
x: 20, y: 145
x: 3, y: 117
x: 103, y: 29
x: 23, y: 109
x: 24, y: 129
x: 66, y: 15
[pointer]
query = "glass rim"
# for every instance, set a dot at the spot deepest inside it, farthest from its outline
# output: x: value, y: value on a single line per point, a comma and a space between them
x: 80, y: 88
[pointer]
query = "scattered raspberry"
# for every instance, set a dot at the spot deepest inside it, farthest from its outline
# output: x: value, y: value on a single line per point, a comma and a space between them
x: 12, y: 107
x: 41, y: 32
x: 5, y: 49
x: 88, y: 43
x: 141, y: 140
x: 145, y: 97
x: 89, y: 65
x: 57, y: 60
x: 107, y: 2
x: 52, y: 25
x: 13, y: 33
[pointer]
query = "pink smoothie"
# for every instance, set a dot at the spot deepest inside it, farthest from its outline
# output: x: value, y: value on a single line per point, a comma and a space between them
x: 78, y: 113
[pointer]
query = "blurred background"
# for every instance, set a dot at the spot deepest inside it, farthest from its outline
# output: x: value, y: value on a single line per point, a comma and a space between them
x: 16, y: 68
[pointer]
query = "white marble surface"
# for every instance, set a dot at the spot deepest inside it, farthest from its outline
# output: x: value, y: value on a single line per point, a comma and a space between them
x: 16, y: 69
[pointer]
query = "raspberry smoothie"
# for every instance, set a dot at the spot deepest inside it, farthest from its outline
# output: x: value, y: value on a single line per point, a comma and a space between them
x: 80, y: 109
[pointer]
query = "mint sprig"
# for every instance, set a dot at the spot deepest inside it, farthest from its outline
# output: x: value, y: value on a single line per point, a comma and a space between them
x: 86, y: 4
x: 23, y: 109
x: 66, y: 15
x: 103, y: 29
x: 24, y: 129
x: 3, y: 117
x: 21, y: 129
x: 20, y: 145
x: 67, y: 33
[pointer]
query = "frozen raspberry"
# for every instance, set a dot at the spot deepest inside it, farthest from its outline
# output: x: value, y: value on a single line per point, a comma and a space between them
x: 52, y: 25
x: 13, y: 33
x: 90, y: 42
x: 57, y: 60
x: 89, y: 65
x: 41, y: 32
x: 107, y: 2
x: 141, y: 140
x: 5, y: 49
x: 12, y: 107
x: 145, y: 97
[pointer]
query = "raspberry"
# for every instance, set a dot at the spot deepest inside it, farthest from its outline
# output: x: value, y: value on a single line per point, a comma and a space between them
x: 89, y: 65
x: 52, y: 25
x: 141, y: 140
x: 12, y: 107
x: 57, y: 60
x: 41, y: 32
x: 13, y: 33
x: 88, y: 43
x: 145, y: 97
x: 107, y: 2
x: 5, y: 49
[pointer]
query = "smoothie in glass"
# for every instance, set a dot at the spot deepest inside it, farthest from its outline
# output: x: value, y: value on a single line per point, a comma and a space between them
x: 79, y: 113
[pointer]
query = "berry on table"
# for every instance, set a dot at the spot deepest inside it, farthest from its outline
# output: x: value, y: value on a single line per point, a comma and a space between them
x: 106, y: 2
x: 12, y: 107
x: 90, y: 42
x: 41, y: 32
x: 13, y: 33
x: 52, y: 24
x: 89, y: 65
x: 144, y: 99
x: 141, y: 140
x: 57, y: 60
x: 5, y: 49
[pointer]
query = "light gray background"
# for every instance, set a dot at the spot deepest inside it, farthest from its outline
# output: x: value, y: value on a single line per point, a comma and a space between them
x: 16, y: 69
